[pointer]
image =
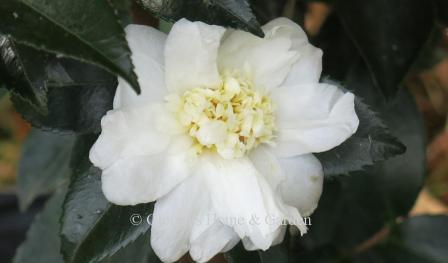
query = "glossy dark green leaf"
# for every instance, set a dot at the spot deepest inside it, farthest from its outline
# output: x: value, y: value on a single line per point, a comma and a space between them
x: 389, y: 34
x: 138, y: 251
x: 354, y: 208
x: 233, y: 13
x: 420, y: 239
x: 22, y: 68
x: 44, y: 228
x: 371, y: 143
x: 92, y: 228
x: 85, y: 30
x: 44, y: 165
x: 56, y: 94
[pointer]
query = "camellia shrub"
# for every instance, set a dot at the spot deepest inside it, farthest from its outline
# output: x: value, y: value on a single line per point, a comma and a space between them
x: 223, y: 130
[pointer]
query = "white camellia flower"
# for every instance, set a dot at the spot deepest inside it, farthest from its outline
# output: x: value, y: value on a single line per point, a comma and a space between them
x: 222, y: 135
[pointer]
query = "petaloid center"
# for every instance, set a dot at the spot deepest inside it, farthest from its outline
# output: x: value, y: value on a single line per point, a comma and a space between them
x: 231, y: 119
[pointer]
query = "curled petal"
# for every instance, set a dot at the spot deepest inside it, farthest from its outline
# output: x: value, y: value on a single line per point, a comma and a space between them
x: 313, y: 118
x: 143, y: 179
x: 303, y: 185
x: 266, y: 60
x: 190, y: 56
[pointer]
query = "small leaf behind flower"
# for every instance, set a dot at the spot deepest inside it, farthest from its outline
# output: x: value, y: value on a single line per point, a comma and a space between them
x: 233, y: 13
x: 371, y: 143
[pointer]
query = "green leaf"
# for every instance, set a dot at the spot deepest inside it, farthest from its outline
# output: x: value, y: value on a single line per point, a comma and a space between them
x: 92, y: 228
x: 45, y: 228
x: 85, y: 30
x: 420, y: 239
x: 387, y: 38
x: 44, y: 165
x: 75, y: 95
x: 233, y: 13
x: 138, y: 251
x: 22, y: 68
x: 371, y: 143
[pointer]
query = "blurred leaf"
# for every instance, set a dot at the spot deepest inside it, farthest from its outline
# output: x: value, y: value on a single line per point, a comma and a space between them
x: 85, y: 30
x: 44, y: 165
x: 275, y: 254
x: 3, y: 91
x: 92, y: 228
x: 420, y: 239
x: 371, y: 143
x: 442, y: 10
x: 124, y: 11
x: 239, y: 254
x: 45, y: 228
x: 354, y: 208
x: 233, y: 13
x: 389, y: 35
x: 266, y: 10
x: 75, y: 95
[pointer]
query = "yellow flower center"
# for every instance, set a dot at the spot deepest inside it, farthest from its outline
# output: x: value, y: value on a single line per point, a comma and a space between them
x: 231, y: 119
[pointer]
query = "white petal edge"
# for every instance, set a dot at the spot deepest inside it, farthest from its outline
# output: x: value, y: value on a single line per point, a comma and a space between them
x: 308, y: 67
x: 251, y: 198
x: 267, y: 61
x: 128, y: 132
x: 190, y: 56
x: 176, y: 215
x: 147, y: 45
x: 312, y: 118
x: 144, y: 179
x: 304, y: 181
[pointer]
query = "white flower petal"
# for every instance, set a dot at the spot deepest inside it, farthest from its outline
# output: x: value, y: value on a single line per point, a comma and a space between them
x: 143, y: 179
x: 303, y: 185
x: 308, y: 67
x: 313, y: 118
x: 175, y: 215
x: 147, y: 45
x: 256, y: 209
x: 125, y: 133
x: 217, y: 238
x: 190, y: 56
x: 267, y: 164
x: 276, y: 237
x: 267, y: 60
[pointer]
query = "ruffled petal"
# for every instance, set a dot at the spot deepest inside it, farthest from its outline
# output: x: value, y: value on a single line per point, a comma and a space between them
x: 252, y: 209
x: 267, y: 165
x: 215, y: 239
x: 190, y: 56
x: 143, y: 179
x: 127, y: 132
x: 303, y: 185
x: 174, y: 216
x: 312, y: 118
x: 266, y: 60
x: 147, y: 45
